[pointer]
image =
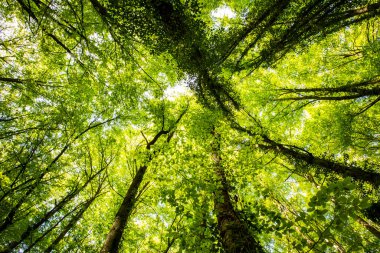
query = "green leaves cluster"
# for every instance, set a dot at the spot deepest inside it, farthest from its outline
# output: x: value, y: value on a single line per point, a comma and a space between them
x: 290, y: 87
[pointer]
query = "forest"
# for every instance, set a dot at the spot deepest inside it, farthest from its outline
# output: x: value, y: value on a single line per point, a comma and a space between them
x: 190, y: 126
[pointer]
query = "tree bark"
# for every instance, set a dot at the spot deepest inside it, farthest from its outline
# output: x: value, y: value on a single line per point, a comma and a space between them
x: 322, y: 164
x: 9, y: 219
x: 13, y: 244
x: 235, y: 235
x: 374, y: 231
x: 111, y: 244
x: 71, y: 224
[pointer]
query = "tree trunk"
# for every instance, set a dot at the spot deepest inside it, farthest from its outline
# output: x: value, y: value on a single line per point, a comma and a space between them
x: 13, y: 244
x: 328, y: 97
x: 322, y: 164
x: 113, y: 239
x: 235, y: 235
x: 369, y: 227
x: 372, y: 213
x: 70, y: 225
x: 353, y: 87
x: 111, y: 244
x: 8, y: 221
x: 10, y: 217
x: 32, y: 244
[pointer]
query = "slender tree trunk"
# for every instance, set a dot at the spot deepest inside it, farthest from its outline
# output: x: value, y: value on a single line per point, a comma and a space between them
x: 31, y: 228
x: 369, y: 227
x: 8, y: 221
x: 32, y: 244
x: 234, y: 233
x: 353, y: 87
x: 13, y: 244
x: 322, y: 164
x: 113, y: 239
x: 111, y: 244
x: 70, y: 225
x: 332, y: 97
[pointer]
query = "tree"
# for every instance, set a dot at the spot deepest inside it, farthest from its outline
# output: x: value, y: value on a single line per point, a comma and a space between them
x: 276, y: 151
x: 234, y: 233
x: 112, y: 241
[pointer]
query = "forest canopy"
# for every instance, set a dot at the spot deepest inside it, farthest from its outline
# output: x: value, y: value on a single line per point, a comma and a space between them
x: 189, y: 126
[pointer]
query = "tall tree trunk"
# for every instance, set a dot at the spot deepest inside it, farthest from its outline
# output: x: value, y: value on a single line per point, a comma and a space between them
x: 113, y: 239
x: 234, y: 233
x: 11, y: 215
x: 32, y: 227
x: 111, y: 244
x: 9, y: 219
x: 13, y: 244
x: 322, y: 164
x: 374, y: 231
x: 351, y: 87
x: 32, y: 244
x: 71, y: 223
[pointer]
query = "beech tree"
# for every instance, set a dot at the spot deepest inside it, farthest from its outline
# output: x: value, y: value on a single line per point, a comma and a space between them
x: 189, y: 126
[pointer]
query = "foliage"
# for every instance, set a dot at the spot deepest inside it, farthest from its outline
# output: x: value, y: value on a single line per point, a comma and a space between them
x: 265, y: 112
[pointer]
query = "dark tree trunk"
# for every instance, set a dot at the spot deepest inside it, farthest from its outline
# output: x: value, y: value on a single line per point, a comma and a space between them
x: 372, y: 213
x: 113, y: 239
x: 32, y: 244
x: 12, y: 245
x: 31, y: 228
x: 234, y: 233
x: 358, y: 87
x: 111, y: 244
x: 366, y: 93
x: 71, y: 224
x: 322, y: 164
x: 374, y: 231
x: 9, y: 219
